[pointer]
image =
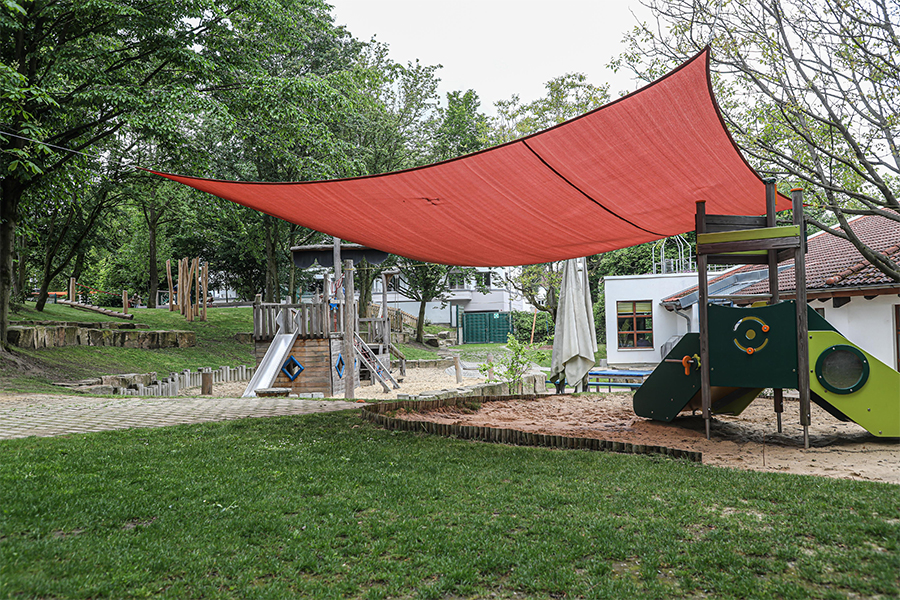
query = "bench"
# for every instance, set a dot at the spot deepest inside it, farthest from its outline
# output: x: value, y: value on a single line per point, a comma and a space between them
x: 616, y: 378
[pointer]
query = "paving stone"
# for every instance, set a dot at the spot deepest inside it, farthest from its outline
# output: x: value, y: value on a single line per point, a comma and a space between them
x: 59, y: 416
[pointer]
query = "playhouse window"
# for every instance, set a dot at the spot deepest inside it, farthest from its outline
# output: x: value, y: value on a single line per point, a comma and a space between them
x: 635, y: 324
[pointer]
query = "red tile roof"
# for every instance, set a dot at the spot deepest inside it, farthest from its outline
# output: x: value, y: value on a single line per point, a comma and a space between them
x: 833, y: 263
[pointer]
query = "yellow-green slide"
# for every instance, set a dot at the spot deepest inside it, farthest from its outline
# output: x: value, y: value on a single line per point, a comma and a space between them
x: 853, y: 385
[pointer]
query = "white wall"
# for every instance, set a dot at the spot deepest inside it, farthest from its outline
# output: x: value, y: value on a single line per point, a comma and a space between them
x: 665, y: 323
x: 867, y: 323
x: 497, y: 299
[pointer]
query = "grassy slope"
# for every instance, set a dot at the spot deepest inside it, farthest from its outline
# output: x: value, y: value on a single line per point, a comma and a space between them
x: 216, y: 347
x: 326, y: 506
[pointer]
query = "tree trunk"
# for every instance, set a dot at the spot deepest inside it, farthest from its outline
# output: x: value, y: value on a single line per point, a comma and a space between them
x: 10, y: 196
x: 22, y: 271
x: 420, y: 326
x: 79, y: 265
x: 271, y: 231
x: 154, y: 268
x: 365, y: 277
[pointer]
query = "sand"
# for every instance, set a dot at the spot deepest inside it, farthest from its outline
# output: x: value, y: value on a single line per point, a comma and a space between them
x: 749, y: 441
x: 416, y: 381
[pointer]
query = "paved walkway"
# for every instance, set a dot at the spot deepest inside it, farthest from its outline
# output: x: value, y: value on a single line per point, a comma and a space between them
x: 46, y: 416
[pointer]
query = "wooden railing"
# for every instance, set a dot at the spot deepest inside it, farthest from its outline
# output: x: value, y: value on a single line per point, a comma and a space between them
x: 311, y: 320
x: 398, y: 318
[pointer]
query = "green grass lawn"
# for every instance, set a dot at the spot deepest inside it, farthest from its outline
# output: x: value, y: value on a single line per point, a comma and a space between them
x: 216, y: 346
x: 327, y: 506
x: 416, y: 353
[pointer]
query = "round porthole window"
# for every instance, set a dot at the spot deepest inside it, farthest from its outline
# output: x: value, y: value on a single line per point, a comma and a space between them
x: 842, y: 369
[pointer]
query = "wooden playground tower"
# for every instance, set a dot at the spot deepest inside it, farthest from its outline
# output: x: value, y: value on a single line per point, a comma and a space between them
x: 727, y: 239
x: 326, y: 352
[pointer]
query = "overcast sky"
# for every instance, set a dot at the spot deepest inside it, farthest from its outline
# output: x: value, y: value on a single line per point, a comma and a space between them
x: 499, y: 47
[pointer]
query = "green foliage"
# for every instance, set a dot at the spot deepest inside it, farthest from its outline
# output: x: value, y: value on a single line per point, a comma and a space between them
x: 810, y: 91
x: 522, y: 322
x: 462, y: 128
x: 325, y: 506
x: 568, y: 96
x: 512, y: 365
x: 600, y: 316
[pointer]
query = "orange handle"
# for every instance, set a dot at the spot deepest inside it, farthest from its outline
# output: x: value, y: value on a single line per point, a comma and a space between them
x: 686, y: 363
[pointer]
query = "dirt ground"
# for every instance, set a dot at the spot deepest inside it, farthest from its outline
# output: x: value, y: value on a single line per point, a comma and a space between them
x: 414, y: 382
x: 748, y: 441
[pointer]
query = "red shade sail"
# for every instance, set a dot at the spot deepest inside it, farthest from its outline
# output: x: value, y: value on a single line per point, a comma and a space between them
x: 626, y: 173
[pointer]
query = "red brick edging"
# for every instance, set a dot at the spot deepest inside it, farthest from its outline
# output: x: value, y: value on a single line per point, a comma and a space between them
x: 381, y: 414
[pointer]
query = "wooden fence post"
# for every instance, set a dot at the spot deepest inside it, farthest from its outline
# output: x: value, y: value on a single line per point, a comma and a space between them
x: 205, y: 289
x: 171, y: 291
x: 196, y: 271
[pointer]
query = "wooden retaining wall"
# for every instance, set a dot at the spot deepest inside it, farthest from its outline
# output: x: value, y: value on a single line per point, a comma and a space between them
x: 381, y: 414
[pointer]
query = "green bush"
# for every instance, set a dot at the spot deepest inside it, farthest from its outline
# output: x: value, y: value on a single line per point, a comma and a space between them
x: 521, y: 325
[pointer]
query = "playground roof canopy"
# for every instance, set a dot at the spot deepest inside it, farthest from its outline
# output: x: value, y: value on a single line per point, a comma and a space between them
x: 626, y: 173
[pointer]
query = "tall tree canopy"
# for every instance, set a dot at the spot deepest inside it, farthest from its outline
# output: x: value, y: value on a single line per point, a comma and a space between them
x: 78, y: 74
x: 810, y: 90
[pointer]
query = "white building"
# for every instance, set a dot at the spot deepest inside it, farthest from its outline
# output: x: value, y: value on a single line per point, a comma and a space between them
x: 644, y: 311
x: 464, y: 297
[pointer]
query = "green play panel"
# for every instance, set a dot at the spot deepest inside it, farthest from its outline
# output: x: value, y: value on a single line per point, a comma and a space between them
x: 753, y: 347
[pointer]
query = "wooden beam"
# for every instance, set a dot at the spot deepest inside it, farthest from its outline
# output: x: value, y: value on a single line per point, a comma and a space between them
x: 764, y: 233
x: 802, y: 322
x: 773, y: 260
x: 703, y: 289
x: 715, y: 223
x: 347, y: 349
x: 737, y: 259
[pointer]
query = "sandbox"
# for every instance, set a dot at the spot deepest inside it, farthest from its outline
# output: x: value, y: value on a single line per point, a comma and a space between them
x: 748, y: 441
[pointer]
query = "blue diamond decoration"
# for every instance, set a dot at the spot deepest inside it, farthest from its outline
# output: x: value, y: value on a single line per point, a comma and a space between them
x: 339, y: 366
x: 292, y: 368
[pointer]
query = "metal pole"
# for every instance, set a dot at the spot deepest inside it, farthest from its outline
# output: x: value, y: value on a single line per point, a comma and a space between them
x: 703, y: 288
x: 802, y: 319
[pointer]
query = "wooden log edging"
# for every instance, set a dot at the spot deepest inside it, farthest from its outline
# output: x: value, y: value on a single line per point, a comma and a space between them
x: 381, y: 414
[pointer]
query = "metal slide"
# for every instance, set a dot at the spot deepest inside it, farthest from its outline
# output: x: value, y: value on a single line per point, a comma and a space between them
x: 271, y: 363
x: 674, y: 386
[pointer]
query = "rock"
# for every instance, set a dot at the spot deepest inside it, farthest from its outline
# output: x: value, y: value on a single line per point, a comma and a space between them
x: 432, y: 340
x: 273, y: 392
x: 97, y: 390
x: 243, y: 338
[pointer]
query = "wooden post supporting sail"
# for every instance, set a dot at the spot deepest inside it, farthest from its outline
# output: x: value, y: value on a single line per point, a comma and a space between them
x: 802, y: 319
x: 703, y: 288
x: 773, y: 282
x: 347, y: 349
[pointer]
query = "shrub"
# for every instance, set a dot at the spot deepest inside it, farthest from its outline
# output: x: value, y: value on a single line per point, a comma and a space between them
x: 521, y: 325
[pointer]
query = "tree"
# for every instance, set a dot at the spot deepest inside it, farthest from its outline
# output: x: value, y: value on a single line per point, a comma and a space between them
x: 395, y: 110
x: 462, y: 128
x: 428, y: 282
x: 810, y: 90
x: 76, y: 73
x: 568, y: 96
